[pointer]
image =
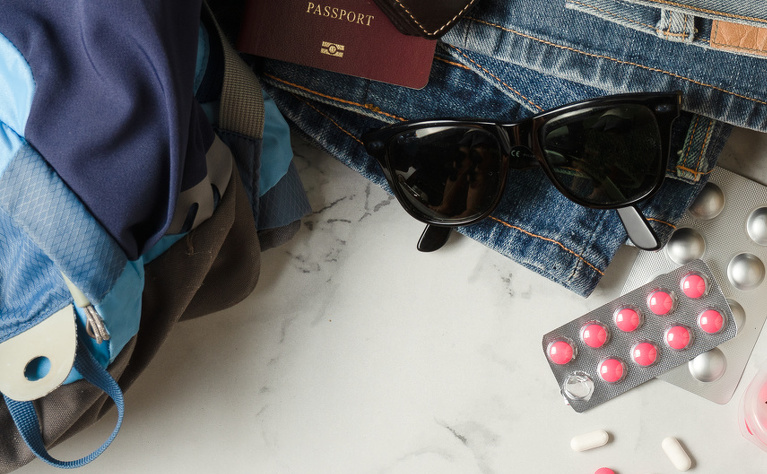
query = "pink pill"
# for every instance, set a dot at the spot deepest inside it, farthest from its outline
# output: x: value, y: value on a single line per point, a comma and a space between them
x: 612, y: 370
x: 561, y: 352
x: 694, y: 285
x: 678, y: 337
x: 645, y: 354
x: 594, y: 335
x: 660, y: 302
x: 711, y: 321
x: 604, y: 470
x: 628, y: 319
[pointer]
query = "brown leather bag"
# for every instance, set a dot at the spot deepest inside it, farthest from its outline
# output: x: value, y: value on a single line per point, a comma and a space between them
x: 426, y: 18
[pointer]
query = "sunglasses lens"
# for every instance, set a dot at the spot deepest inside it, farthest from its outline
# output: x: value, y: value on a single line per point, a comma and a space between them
x: 605, y: 156
x: 449, y: 174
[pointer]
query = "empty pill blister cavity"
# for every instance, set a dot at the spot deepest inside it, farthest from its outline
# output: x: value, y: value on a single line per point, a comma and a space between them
x: 726, y: 227
x: 639, y: 335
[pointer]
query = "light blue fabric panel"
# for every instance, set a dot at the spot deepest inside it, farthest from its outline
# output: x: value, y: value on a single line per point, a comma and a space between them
x: 56, y: 221
x: 31, y: 287
x: 17, y: 87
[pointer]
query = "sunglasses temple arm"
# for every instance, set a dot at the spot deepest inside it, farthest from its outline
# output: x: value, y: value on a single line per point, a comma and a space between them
x: 433, y: 238
x: 638, y: 229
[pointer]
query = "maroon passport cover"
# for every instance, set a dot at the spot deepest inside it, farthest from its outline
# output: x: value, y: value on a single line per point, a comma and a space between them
x: 348, y: 36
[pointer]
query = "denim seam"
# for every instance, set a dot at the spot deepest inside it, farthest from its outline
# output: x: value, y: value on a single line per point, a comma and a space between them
x: 619, y: 61
x: 550, y: 240
x: 714, y: 41
x: 447, y: 23
x: 664, y: 32
x: 452, y: 63
x: 706, y: 10
x: 661, y: 222
x: 370, y: 107
x: 700, y: 152
x: 499, y: 80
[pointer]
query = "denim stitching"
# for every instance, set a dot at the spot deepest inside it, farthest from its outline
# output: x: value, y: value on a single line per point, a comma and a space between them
x: 619, y: 61
x: 704, y: 145
x: 418, y: 23
x: 662, y: 222
x: 547, y: 239
x: 664, y: 32
x: 497, y: 78
x: 705, y: 10
x: 690, y: 139
x: 452, y: 63
x: 370, y: 107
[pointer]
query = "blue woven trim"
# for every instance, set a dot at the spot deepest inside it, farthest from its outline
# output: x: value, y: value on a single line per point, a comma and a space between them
x: 28, y: 424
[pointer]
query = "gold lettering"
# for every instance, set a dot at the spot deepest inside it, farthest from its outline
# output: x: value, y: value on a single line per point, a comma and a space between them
x: 337, y: 13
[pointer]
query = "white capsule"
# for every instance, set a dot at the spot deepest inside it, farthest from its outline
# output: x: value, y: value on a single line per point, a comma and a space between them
x: 591, y: 440
x: 676, y: 454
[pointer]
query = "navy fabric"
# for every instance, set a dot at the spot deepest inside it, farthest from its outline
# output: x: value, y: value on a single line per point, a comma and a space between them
x: 114, y: 111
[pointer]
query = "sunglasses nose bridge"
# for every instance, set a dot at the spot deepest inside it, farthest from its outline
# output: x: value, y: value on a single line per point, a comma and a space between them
x: 519, y: 145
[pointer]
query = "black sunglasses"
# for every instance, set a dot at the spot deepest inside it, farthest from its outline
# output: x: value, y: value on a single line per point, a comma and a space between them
x: 606, y: 153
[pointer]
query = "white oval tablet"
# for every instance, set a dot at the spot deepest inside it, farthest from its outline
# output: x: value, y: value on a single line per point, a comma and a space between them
x: 676, y: 453
x: 591, y: 440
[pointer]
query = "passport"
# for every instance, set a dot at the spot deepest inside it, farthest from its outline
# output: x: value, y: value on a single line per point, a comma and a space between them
x: 351, y: 37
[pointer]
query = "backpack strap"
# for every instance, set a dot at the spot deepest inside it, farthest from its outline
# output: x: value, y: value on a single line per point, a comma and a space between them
x: 28, y: 424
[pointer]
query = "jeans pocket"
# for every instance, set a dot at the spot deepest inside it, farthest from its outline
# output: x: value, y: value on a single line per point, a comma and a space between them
x: 725, y: 25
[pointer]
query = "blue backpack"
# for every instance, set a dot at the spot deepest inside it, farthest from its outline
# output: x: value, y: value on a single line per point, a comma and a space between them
x: 142, y: 172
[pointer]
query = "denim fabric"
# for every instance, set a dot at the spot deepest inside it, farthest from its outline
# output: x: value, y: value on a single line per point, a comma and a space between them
x: 511, y: 59
x: 689, y: 22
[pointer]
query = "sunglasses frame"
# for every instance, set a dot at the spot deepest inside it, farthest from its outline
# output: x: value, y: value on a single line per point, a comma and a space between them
x: 665, y: 107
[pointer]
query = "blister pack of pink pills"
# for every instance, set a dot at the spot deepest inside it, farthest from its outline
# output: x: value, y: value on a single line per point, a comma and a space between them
x: 726, y: 227
x: 639, y: 335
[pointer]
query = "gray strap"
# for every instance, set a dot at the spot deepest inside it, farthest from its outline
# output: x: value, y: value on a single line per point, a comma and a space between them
x: 242, y: 104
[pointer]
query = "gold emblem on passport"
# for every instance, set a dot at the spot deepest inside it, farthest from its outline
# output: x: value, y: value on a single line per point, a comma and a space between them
x: 332, y: 49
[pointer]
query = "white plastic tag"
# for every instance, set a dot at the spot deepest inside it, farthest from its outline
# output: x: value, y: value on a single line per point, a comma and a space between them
x: 37, y: 361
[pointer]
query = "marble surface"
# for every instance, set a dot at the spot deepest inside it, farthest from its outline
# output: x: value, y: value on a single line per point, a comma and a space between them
x: 358, y: 354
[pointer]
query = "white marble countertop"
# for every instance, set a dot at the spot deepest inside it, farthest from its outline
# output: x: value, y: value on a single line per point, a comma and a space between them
x: 358, y: 354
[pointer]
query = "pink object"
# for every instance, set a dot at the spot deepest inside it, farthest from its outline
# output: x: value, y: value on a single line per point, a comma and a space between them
x: 645, y: 354
x: 604, y: 470
x: 594, y: 335
x: 752, y: 411
x: 561, y: 352
x: 694, y: 285
x: 678, y: 337
x: 612, y: 370
x: 628, y: 320
x: 660, y: 302
x: 711, y: 321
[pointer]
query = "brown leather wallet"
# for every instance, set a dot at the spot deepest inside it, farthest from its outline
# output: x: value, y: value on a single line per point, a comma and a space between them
x: 426, y: 18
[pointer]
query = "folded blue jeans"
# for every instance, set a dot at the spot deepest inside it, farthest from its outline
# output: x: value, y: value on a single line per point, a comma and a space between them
x: 511, y: 59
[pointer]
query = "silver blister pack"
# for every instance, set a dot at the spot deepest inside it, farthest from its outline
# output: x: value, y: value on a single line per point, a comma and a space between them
x: 640, y: 335
x: 726, y: 227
